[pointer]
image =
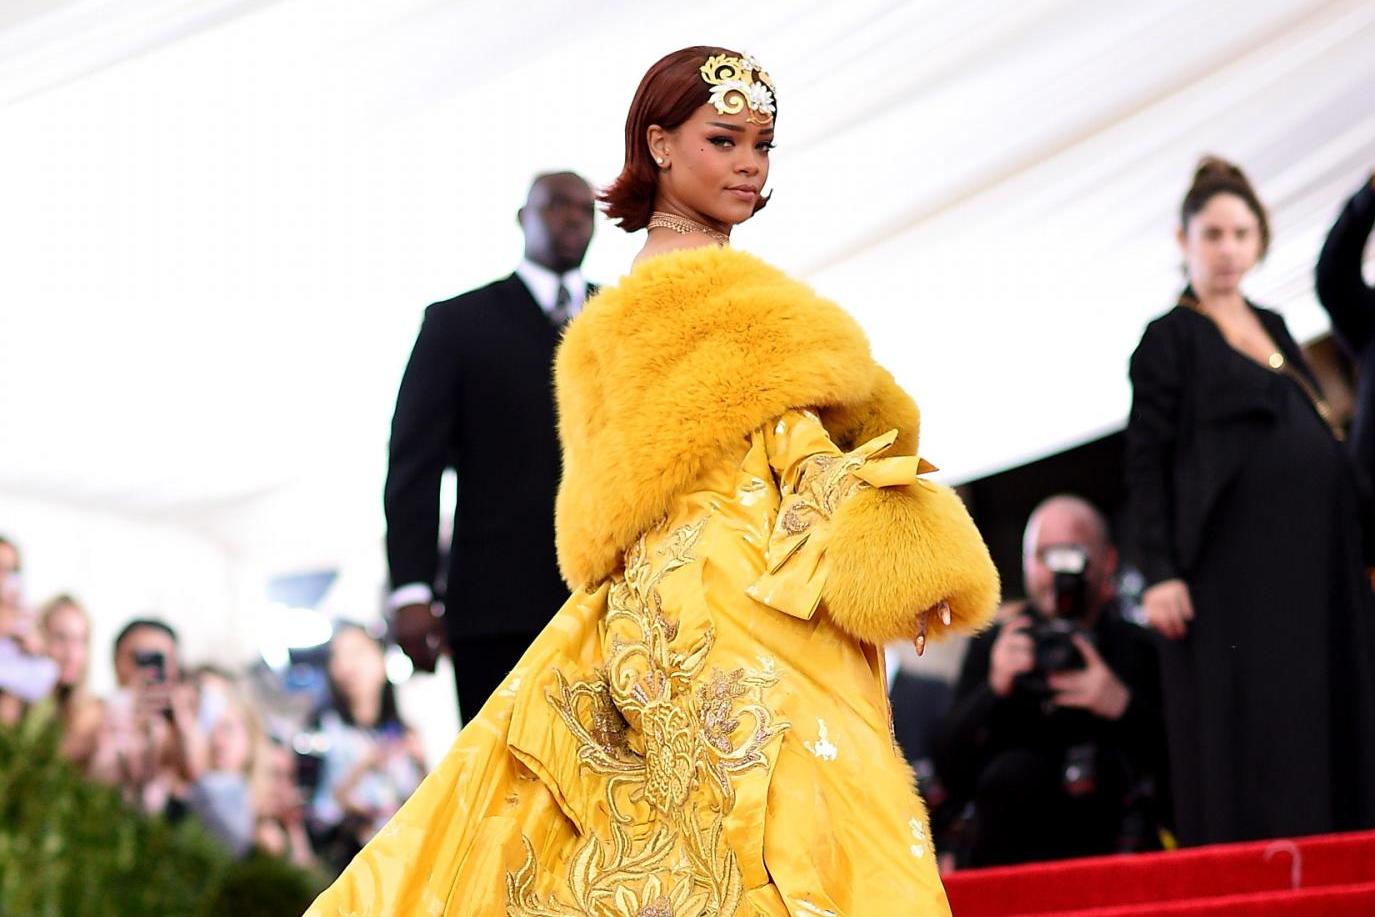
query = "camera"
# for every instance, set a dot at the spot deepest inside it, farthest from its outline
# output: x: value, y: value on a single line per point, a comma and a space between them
x: 1053, y: 637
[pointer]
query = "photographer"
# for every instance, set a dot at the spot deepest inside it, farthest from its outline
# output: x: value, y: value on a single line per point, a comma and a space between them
x: 372, y: 760
x: 1055, y: 740
x: 149, y: 743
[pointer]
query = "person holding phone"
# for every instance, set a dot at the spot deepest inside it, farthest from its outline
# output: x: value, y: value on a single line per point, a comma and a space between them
x: 149, y: 743
x: 373, y: 760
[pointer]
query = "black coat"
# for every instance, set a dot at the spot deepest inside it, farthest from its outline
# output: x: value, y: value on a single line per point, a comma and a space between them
x: 1350, y: 303
x: 1197, y: 413
x: 477, y: 396
x: 980, y: 725
x: 1238, y: 486
x: 988, y: 746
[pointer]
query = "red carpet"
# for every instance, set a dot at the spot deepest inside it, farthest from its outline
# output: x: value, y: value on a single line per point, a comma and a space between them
x: 1325, y: 876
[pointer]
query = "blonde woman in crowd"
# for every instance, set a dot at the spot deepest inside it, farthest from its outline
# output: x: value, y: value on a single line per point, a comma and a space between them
x: 66, y: 632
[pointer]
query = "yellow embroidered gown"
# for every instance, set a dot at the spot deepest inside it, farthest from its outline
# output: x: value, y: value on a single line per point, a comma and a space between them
x: 703, y: 728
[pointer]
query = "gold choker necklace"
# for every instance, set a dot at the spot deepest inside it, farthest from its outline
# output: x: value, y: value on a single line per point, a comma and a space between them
x: 682, y: 225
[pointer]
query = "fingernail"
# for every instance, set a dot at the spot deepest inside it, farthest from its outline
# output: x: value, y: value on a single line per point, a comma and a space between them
x: 945, y: 614
x: 921, y: 644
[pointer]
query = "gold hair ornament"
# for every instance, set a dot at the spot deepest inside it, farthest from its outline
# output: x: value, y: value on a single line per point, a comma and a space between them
x: 738, y: 83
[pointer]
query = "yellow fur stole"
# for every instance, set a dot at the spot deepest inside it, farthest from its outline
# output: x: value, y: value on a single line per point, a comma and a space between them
x: 665, y: 372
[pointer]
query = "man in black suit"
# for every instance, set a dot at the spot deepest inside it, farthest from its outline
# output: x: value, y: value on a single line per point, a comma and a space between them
x: 477, y: 396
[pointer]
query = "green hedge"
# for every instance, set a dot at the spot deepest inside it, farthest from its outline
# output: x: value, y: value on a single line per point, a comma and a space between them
x: 70, y: 848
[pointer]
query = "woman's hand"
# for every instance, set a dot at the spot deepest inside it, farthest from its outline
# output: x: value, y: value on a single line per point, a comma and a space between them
x: 942, y: 609
x: 1168, y: 608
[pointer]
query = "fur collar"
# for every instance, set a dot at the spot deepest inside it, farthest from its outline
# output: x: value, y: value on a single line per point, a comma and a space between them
x: 669, y: 370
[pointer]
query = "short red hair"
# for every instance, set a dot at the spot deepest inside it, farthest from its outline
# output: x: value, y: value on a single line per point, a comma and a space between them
x: 670, y: 92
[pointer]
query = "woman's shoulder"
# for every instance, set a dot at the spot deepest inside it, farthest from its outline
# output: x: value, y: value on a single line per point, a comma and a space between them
x: 691, y: 265
x: 1166, y: 332
x: 1173, y: 321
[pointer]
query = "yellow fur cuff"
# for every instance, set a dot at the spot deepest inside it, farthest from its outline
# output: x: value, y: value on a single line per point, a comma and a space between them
x: 895, y: 552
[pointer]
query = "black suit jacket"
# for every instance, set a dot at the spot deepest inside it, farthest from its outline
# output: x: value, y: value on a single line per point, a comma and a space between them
x: 1351, y: 305
x: 477, y: 396
x: 1197, y: 411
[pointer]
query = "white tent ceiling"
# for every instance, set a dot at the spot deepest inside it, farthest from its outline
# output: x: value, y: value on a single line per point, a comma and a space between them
x: 221, y: 219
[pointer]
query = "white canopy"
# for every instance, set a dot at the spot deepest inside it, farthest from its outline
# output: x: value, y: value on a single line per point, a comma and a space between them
x: 221, y: 220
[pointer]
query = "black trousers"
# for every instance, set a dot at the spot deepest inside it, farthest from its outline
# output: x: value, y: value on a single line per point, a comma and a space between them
x: 1022, y: 814
x: 480, y: 664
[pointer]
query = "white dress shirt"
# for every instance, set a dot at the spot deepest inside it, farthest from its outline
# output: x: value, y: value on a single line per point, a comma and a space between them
x: 543, y: 285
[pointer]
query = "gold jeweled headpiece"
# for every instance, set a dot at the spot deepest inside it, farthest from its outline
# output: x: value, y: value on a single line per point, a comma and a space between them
x: 738, y: 83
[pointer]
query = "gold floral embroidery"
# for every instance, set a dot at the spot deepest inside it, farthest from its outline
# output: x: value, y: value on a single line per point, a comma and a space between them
x: 588, y: 710
x: 823, y: 483
x: 796, y: 565
x: 668, y: 737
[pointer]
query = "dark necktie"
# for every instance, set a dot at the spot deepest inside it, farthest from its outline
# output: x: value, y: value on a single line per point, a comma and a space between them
x: 563, y: 307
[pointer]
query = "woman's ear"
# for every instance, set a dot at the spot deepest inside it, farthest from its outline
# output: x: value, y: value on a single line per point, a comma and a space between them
x: 657, y: 139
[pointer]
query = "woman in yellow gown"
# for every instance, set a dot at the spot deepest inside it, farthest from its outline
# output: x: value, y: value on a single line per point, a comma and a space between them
x: 703, y: 728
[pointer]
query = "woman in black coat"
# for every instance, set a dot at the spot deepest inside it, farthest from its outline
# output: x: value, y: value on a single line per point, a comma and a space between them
x: 1245, y: 503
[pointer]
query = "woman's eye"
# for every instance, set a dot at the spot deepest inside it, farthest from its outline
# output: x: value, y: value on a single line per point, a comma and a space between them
x: 765, y: 146
x: 722, y: 142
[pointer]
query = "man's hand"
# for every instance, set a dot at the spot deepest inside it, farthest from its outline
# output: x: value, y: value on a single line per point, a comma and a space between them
x: 419, y: 633
x: 1093, y: 688
x: 1013, y: 654
x: 1168, y: 607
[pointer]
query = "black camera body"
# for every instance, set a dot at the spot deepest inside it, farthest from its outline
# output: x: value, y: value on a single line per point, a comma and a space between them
x: 1055, y: 652
x: 1053, y: 636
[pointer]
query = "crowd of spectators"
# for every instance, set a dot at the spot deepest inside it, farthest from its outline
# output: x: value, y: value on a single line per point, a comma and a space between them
x: 202, y: 742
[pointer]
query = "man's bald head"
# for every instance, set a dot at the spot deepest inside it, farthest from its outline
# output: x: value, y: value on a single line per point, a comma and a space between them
x: 1067, y: 520
x: 1067, y: 513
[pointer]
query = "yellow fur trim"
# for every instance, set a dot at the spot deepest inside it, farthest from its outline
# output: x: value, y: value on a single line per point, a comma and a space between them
x: 668, y: 371
x: 889, y: 407
x: 897, y: 551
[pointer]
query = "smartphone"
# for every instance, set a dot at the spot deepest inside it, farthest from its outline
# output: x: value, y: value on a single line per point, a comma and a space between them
x: 154, y: 662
